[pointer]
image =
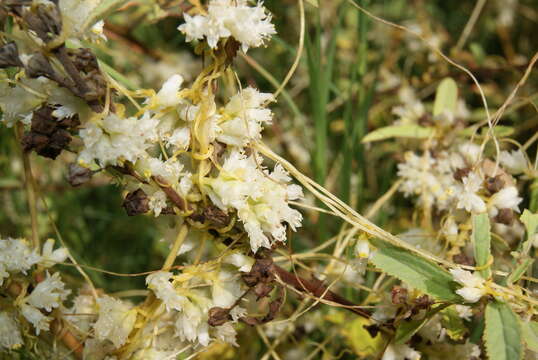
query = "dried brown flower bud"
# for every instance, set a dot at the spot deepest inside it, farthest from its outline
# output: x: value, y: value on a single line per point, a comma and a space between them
x: 461, y: 173
x: 505, y: 216
x: 38, y: 65
x: 494, y: 184
x: 260, y: 272
x: 463, y: 259
x: 48, y: 137
x: 399, y: 295
x: 218, y: 316
x: 136, y: 202
x: 78, y: 175
x: 262, y: 290
x: 45, y: 20
x: 9, y: 56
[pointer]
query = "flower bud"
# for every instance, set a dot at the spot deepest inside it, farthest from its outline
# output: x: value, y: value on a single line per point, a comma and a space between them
x: 9, y: 56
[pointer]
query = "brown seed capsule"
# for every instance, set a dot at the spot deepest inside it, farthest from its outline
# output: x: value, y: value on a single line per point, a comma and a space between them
x: 218, y: 316
x: 38, y: 65
x: 494, y: 184
x: 78, y: 175
x: 399, y: 295
x: 44, y: 19
x: 47, y: 136
x: 459, y: 174
x: 136, y: 202
x: 505, y: 216
x: 9, y: 56
x: 463, y: 259
x: 262, y: 290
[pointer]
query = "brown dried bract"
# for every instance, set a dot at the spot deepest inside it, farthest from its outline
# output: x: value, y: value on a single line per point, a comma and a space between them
x: 48, y: 136
x: 136, y: 202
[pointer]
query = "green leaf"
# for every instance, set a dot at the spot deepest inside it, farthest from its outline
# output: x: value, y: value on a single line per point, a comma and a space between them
x: 530, y: 334
x: 482, y: 242
x: 502, y: 335
x: 519, y: 270
x: 530, y: 221
x: 500, y: 131
x: 445, y: 97
x: 420, y: 273
x: 399, y: 131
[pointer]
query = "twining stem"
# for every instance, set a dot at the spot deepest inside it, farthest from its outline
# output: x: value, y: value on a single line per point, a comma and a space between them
x: 29, y: 184
x: 175, y: 248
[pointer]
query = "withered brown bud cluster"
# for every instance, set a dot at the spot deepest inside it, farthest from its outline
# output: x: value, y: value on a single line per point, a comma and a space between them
x: 9, y: 56
x: 78, y: 175
x: 136, y: 202
x: 211, y: 215
x: 217, y: 316
x: 48, y: 136
x: 44, y: 19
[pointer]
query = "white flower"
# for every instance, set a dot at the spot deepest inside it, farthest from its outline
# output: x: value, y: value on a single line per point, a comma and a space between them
x: 362, y: 248
x: 226, y: 333
x: 49, y: 257
x: 513, y: 161
x: 250, y: 26
x: 115, y: 322
x: 242, y: 262
x: 49, y: 293
x: 157, y: 202
x: 473, y: 285
x: 10, y: 334
x: 117, y: 139
x: 400, y: 352
x: 226, y: 289
x: 35, y: 317
x: 168, y: 96
x: 467, y: 197
x: 160, y: 284
x: 260, y: 198
x: 180, y: 138
x: 16, y: 256
x: 506, y: 198
x: 243, y: 117
x: 465, y: 312
x: 470, y: 151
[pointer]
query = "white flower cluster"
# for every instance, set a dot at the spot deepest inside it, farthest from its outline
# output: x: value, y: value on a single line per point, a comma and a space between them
x: 433, y: 180
x: 260, y: 198
x: 473, y: 285
x: 16, y: 256
x: 249, y: 25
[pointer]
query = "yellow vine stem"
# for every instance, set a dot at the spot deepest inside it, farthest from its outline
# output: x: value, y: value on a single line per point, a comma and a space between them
x: 30, y: 188
x: 343, y: 210
x: 182, y: 234
x: 299, y: 52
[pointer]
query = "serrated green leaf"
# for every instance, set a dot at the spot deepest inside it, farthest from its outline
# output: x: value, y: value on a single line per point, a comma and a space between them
x: 502, y: 334
x: 420, y: 273
x: 530, y: 221
x: 519, y: 270
x: 530, y: 334
x: 445, y: 97
x: 482, y: 242
x: 453, y: 323
x: 399, y: 131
